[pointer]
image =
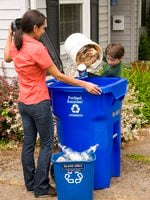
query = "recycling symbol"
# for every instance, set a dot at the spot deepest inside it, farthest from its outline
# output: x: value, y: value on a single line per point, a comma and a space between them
x: 75, y: 108
x: 78, y: 179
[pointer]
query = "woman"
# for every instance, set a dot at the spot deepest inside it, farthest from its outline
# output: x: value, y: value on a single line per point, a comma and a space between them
x: 31, y: 61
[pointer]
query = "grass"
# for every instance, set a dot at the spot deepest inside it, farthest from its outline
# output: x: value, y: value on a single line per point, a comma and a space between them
x: 6, y: 145
x: 139, y: 157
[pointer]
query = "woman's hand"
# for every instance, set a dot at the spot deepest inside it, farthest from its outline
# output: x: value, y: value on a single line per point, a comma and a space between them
x: 92, y: 88
x: 10, y: 32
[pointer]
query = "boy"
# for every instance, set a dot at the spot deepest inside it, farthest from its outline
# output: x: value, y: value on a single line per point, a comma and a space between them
x: 113, y: 56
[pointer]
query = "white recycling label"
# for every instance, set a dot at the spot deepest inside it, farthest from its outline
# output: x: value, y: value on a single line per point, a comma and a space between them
x: 75, y: 102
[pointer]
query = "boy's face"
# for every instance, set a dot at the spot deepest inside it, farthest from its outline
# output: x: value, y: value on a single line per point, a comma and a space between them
x: 113, y: 61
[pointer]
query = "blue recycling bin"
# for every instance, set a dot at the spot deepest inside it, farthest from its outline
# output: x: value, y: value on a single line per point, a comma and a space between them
x: 74, y: 179
x: 83, y: 120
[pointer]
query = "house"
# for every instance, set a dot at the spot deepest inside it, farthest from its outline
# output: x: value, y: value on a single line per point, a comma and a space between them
x: 103, y: 21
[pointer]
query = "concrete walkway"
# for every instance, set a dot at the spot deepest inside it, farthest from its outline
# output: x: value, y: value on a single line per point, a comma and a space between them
x: 133, y: 184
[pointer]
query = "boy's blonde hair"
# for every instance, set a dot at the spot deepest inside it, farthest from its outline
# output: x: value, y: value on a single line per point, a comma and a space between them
x: 115, y: 50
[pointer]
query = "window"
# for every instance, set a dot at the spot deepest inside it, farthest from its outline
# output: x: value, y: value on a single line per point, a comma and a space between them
x: 70, y: 20
x: 74, y: 17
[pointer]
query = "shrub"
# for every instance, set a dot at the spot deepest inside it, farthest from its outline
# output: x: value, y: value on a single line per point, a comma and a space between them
x: 132, y: 117
x: 139, y: 80
x: 136, y: 106
x: 10, y: 122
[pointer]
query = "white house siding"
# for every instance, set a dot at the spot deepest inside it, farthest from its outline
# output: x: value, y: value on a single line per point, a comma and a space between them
x: 8, y: 12
x: 129, y: 37
x: 41, y: 6
x: 104, y: 23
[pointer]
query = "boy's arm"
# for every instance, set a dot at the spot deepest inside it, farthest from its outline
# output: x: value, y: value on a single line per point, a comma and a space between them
x: 92, y: 75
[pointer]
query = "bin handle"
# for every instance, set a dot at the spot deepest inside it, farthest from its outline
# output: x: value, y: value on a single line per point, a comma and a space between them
x: 51, y: 81
x: 119, y: 94
x: 115, y: 135
x: 120, y: 98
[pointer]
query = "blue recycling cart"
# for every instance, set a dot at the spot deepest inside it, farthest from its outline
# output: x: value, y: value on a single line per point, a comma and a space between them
x: 83, y: 120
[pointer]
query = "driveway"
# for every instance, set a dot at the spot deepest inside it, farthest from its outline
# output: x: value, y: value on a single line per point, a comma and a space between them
x: 133, y: 184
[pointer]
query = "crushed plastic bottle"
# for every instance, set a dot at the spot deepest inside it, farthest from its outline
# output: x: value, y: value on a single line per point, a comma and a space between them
x: 62, y: 159
x: 88, y: 154
x: 70, y: 155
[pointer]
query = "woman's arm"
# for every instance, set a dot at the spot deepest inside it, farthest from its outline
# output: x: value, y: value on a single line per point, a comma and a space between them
x: 7, y: 56
x: 90, y: 87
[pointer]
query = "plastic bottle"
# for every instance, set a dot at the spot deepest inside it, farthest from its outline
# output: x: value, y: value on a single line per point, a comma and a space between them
x: 82, y: 71
x: 70, y: 154
x: 62, y: 159
x: 88, y: 154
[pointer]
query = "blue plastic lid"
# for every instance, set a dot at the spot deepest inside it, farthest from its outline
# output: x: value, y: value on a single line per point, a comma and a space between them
x: 117, y: 86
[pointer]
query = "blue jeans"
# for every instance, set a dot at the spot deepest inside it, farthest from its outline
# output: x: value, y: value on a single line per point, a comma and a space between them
x: 37, y: 118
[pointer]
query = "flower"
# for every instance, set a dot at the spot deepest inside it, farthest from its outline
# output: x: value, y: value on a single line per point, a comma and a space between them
x: 10, y: 120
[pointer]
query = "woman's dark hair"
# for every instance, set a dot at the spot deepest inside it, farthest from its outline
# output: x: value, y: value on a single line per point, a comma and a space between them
x: 28, y: 21
x: 115, y: 50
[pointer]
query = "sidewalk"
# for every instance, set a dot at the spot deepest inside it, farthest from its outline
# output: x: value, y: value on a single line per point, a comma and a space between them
x: 133, y: 184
